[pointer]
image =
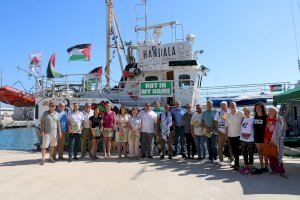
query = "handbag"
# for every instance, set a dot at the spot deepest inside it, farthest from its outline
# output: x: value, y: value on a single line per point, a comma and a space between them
x: 269, y: 150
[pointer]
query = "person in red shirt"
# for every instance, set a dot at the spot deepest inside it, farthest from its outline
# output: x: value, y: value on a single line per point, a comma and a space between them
x: 273, y: 141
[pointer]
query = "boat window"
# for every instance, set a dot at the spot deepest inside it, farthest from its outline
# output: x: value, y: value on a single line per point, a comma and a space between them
x: 295, y: 113
x: 151, y: 78
x: 184, y: 80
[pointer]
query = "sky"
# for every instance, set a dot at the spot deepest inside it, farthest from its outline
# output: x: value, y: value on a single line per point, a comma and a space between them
x: 249, y: 41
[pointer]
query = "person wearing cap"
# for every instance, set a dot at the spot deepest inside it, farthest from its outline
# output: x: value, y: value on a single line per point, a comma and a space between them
x: 85, y: 137
x: 177, y: 113
x: 50, y: 128
x: 186, y: 122
x: 220, y: 126
x: 148, y: 129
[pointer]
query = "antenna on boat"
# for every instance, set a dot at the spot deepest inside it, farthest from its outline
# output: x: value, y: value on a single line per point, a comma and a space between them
x: 113, y: 40
x: 295, y: 34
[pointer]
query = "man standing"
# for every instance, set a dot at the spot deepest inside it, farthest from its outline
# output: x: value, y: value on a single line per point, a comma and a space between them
x: 75, y: 124
x: 209, y: 130
x: 177, y: 113
x: 63, y: 119
x: 197, y: 133
x: 220, y: 126
x: 50, y: 128
x: 166, y: 132
x: 233, y: 129
x: 158, y: 110
x: 186, y: 122
x: 85, y: 137
x: 148, y: 129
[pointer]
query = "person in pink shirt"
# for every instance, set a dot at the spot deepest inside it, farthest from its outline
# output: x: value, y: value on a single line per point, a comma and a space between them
x: 109, y: 122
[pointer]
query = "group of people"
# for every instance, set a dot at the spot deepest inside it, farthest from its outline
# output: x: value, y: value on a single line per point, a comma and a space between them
x: 201, y: 132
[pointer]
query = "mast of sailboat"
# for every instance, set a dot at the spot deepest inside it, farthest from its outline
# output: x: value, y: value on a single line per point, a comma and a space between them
x: 113, y: 40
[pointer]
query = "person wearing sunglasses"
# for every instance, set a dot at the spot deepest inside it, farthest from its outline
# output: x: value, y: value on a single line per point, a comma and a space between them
x: 50, y: 128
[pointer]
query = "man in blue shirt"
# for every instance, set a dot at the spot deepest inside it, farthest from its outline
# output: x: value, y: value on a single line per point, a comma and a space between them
x: 209, y: 130
x: 177, y: 113
x: 63, y: 119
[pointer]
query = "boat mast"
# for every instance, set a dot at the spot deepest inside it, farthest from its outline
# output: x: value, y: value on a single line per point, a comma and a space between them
x: 113, y: 40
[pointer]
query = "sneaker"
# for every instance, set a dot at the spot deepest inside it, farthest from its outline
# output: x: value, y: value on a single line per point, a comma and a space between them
x: 69, y: 159
x: 265, y: 169
x: 162, y: 157
x: 170, y: 157
x: 204, y: 161
x: 42, y: 163
x: 75, y: 158
x: 51, y: 160
x: 215, y: 162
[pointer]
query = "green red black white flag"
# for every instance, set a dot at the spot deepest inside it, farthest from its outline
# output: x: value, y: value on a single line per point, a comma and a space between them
x: 35, y: 62
x: 51, y: 72
x: 81, y: 52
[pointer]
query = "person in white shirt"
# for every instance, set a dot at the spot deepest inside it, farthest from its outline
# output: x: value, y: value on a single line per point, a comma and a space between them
x: 197, y: 133
x: 134, y: 133
x: 75, y: 124
x: 247, y: 138
x: 233, y: 130
x: 148, y: 129
x: 220, y: 127
x: 86, y: 130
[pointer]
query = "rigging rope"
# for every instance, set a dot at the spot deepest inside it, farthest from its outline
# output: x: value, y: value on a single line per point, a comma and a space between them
x: 295, y: 33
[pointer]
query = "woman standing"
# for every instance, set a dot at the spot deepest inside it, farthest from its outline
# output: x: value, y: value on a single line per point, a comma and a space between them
x: 122, y: 120
x: 259, y: 126
x: 109, y: 122
x: 273, y: 142
x: 96, y: 129
x: 247, y: 140
x: 134, y: 133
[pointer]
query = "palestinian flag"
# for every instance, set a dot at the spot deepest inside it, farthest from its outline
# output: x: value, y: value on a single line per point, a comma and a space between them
x: 276, y: 88
x: 96, y: 72
x: 51, y: 72
x: 81, y: 52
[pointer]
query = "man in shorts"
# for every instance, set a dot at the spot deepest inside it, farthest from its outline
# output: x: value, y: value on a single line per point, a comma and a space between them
x: 50, y: 128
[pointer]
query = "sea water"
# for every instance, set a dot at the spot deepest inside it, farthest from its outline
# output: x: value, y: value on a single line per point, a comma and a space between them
x: 18, y: 139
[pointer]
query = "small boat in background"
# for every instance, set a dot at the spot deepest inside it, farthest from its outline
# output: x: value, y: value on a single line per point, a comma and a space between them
x: 15, y: 97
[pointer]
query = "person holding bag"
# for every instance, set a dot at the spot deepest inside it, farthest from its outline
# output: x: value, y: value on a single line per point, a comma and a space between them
x: 96, y: 130
x: 273, y: 141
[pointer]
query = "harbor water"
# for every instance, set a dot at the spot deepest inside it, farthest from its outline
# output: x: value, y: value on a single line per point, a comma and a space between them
x: 18, y: 139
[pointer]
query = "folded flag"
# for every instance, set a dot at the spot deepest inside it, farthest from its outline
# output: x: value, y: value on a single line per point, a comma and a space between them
x: 96, y: 72
x: 81, y: 52
x: 51, y: 72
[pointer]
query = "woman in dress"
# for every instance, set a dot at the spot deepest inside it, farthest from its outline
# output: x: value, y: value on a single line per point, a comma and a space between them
x: 96, y: 129
x: 259, y: 126
x: 273, y: 142
x: 109, y: 122
x: 122, y: 120
x: 134, y: 133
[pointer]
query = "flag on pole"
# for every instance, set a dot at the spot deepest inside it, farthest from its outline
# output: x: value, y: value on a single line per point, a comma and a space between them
x: 96, y: 72
x: 276, y: 88
x: 51, y: 72
x: 35, y: 61
x: 81, y: 52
